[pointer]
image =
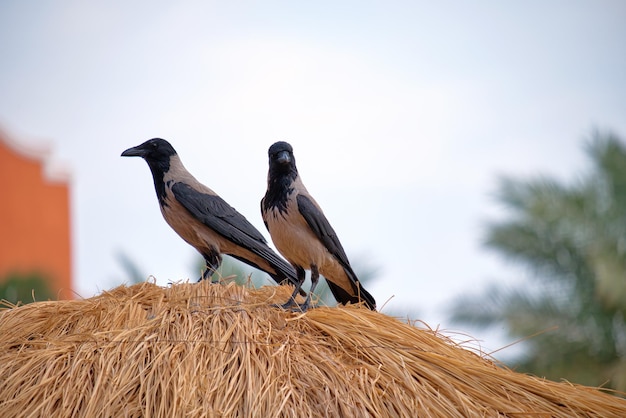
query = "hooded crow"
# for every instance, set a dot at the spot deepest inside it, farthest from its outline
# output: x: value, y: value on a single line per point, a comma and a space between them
x: 303, y: 235
x: 203, y: 219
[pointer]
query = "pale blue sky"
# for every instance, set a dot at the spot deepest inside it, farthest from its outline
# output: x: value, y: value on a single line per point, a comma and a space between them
x: 401, y: 114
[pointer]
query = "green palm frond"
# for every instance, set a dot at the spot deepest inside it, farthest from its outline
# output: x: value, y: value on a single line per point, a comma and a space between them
x: 571, y: 238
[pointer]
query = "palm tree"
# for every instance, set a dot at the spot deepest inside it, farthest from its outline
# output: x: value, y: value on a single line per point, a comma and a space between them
x: 572, y: 240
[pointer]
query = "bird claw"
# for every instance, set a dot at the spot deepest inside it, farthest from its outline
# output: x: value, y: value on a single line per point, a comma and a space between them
x: 292, y: 306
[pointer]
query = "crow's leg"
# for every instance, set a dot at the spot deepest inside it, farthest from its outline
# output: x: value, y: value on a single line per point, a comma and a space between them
x: 315, y: 277
x: 301, y: 275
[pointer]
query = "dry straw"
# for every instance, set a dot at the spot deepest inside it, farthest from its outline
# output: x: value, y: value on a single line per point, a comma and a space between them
x: 202, y: 350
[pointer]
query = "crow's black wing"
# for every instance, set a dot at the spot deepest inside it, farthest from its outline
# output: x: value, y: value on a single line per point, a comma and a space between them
x: 214, y: 212
x: 320, y: 226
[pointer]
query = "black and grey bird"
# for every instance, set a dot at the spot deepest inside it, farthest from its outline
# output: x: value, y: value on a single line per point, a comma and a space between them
x: 303, y: 235
x: 203, y: 219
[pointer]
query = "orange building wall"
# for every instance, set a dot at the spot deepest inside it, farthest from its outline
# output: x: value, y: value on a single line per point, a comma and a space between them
x: 34, y: 221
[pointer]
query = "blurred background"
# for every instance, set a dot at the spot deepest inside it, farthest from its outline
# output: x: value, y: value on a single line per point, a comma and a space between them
x: 470, y: 155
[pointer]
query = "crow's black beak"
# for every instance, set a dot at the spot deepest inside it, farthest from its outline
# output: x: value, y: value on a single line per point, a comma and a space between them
x: 137, y: 151
x: 283, y: 157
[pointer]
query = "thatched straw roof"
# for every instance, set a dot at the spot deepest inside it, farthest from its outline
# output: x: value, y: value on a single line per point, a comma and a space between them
x: 222, y: 350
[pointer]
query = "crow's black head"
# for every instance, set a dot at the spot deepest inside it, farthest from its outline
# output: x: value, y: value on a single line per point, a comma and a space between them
x: 153, y: 150
x: 157, y: 152
x: 280, y: 177
x: 281, y: 157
